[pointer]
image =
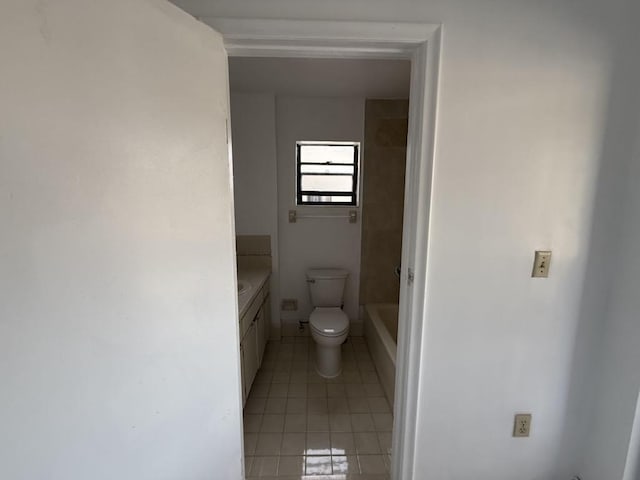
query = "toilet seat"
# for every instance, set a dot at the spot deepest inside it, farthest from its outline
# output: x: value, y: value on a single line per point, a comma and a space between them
x: 329, y: 322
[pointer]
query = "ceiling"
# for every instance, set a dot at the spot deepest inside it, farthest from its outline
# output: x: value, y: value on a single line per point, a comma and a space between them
x: 320, y: 77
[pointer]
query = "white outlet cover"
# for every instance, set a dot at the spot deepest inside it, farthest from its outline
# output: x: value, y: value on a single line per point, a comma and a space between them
x: 522, y: 425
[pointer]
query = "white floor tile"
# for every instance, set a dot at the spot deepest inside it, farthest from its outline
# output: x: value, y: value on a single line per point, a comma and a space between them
x: 275, y: 405
x: 248, y: 461
x: 383, y: 421
x: 299, y: 376
x: 378, y: 405
x: 250, y: 440
x: 384, y: 439
x: 362, y: 422
x: 366, y: 443
x: 268, y: 444
x: 345, y: 464
x: 387, y: 462
x: 372, y: 464
x: 332, y: 429
x: 373, y: 389
x: 278, y: 390
x: 352, y: 377
x: 355, y: 390
x: 342, y: 443
x: 264, y: 466
x: 336, y: 390
x: 252, y: 423
x: 295, y: 422
x: 281, y: 377
x: 296, y: 405
x: 358, y: 405
x: 259, y: 390
x: 369, y: 377
x: 318, y: 443
x: 340, y: 422
x: 317, y: 390
x: 297, y: 390
x: 338, y: 405
x: 317, y: 422
x: 317, y: 405
x: 272, y: 423
x: 318, y: 465
x: 291, y: 466
x: 255, y: 405
x: 366, y: 366
x: 294, y: 444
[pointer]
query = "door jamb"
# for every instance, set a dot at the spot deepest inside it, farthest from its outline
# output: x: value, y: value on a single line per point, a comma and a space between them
x: 420, y: 43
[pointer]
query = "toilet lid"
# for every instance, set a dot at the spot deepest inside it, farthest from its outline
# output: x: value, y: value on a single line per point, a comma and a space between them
x: 329, y: 321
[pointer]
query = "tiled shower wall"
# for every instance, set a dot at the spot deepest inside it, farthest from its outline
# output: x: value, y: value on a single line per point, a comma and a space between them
x: 385, y: 149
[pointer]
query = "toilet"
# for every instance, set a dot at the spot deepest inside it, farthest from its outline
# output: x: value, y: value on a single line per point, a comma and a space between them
x: 328, y: 323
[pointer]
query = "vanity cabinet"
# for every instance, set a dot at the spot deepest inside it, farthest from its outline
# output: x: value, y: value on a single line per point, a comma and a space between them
x: 264, y: 320
x: 254, y: 331
x: 250, y: 356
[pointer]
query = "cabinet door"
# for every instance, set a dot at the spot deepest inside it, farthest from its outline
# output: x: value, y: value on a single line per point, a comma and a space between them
x: 266, y: 307
x: 260, y: 322
x: 250, y: 354
x: 245, y: 391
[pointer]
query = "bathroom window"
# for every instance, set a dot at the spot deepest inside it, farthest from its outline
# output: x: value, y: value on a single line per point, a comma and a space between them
x: 327, y: 173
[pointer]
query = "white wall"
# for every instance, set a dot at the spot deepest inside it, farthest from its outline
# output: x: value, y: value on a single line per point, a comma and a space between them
x: 321, y: 77
x: 253, y: 122
x: 118, y: 318
x: 619, y: 372
x: 254, y: 163
x: 313, y: 243
x: 617, y: 379
x: 605, y: 381
x: 522, y: 107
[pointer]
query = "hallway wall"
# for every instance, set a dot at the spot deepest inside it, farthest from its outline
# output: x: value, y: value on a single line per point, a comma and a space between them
x: 521, y: 112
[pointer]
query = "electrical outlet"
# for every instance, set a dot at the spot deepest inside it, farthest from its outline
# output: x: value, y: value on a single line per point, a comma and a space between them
x: 289, y: 305
x: 541, y: 263
x: 522, y: 425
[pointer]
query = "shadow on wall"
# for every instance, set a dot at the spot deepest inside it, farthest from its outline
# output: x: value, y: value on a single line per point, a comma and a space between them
x: 600, y: 408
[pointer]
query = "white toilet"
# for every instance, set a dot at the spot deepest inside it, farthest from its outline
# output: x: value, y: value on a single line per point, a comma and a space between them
x: 329, y: 324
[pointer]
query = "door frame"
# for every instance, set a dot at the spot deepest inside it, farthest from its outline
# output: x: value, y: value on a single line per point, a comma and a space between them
x: 421, y: 44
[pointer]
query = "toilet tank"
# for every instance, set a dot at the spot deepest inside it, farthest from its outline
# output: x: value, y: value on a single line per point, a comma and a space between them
x: 326, y: 286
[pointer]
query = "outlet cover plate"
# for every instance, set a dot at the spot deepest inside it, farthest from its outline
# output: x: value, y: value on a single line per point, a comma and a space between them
x: 541, y: 263
x: 522, y: 425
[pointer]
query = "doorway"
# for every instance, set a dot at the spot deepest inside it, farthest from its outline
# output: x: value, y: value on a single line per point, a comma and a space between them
x: 421, y: 45
x: 326, y: 139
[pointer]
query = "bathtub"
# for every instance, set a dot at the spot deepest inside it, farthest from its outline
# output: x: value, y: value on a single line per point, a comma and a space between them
x: 381, y: 334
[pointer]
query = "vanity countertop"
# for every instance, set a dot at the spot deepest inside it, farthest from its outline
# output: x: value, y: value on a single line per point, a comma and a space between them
x: 254, y: 276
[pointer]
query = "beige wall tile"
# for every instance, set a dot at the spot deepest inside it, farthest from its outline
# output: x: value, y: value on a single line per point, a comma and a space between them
x: 383, y: 199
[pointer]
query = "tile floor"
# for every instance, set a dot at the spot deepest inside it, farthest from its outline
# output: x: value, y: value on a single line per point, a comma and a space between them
x: 299, y: 425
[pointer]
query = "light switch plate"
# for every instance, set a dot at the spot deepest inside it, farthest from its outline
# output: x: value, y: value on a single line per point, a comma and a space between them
x: 541, y: 263
x: 522, y: 425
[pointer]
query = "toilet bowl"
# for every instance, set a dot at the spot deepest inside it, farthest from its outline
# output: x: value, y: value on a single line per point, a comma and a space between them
x: 329, y: 330
x: 329, y: 324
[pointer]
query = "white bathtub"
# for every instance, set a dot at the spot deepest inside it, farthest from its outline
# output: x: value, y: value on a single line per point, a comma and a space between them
x: 381, y: 333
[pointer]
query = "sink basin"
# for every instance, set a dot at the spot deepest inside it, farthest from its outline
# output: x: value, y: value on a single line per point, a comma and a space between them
x: 243, y: 287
